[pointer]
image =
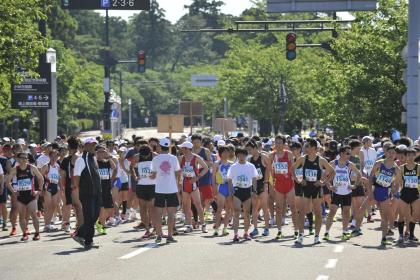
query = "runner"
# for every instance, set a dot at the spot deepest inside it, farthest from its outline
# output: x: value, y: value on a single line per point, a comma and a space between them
x: 6, y: 165
x: 123, y: 166
x: 166, y: 171
x: 145, y: 189
x: 312, y: 165
x: 260, y: 197
x: 409, y: 203
x: 280, y: 166
x: 224, y: 197
x: 50, y: 171
x: 242, y: 179
x: 358, y: 194
x: 342, y: 190
x: 190, y: 164
x: 107, y: 172
x: 25, y: 192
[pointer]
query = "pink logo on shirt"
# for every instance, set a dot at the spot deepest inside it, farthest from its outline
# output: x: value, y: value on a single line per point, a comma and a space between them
x: 165, y: 166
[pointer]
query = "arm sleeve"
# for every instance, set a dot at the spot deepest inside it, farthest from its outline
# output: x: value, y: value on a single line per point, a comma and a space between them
x: 79, y: 166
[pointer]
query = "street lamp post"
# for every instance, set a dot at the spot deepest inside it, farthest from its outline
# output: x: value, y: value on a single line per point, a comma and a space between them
x: 52, y: 113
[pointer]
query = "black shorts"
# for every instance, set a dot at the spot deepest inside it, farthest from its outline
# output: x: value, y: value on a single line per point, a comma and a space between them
x: 325, y: 190
x: 298, y: 189
x: 343, y: 200
x: 67, y: 192
x: 107, y: 201
x: 145, y: 192
x: 243, y: 194
x: 52, y: 189
x: 311, y: 192
x: 3, y: 196
x: 409, y: 195
x: 25, y: 199
x: 124, y: 187
x: 359, y: 191
x: 259, y: 190
x: 163, y: 200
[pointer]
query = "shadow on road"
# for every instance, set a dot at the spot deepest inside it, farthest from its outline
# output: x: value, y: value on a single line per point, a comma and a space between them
x: 70, y: 252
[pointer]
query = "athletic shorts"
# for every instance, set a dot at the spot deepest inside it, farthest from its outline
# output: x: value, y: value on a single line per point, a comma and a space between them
x: 145, y: 192
x: 343, y: 200
x: 243, y: 194
x: 283, y: 186
x: 52, y: 189
x: 224, y: 190
x: 359, y: 191
x: 381, y: 194
x: 312, y: 192
x: 124, y: 187
x: 26, y: 199
x: 3, y: 197
x: 206, y: 192
x: 325, y: 190
x: 298, y: 189
x: 163, y: 200
x: 259, y: 190
x: 409, y: 195
x: 68, y: 192
x: 107, y: 201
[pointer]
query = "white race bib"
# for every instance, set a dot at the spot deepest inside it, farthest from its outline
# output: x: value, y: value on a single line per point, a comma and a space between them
x: 242, y: 181
x: 260, y: 175
x: 281, y: 167
x: 188, y: 172
x: 23, y: 185
x: 104, y: 173
x: 299, y: 174
x: 54, y: 178
x: 311, y: 175
x: 411, y: 182
x: 384, y: 180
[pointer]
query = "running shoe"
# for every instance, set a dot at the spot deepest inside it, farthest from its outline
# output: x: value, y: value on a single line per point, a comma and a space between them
x: 299, y: 241
x: 412, y: 238
x: 4, y: 228
x: 236, y: 238
x: 158, y: 239
x: 385, y: 242
x: 203, y: 228
x: 246, y: 236
x: 326, y: 236
x: 24, y: 237
x: 79, y: 240
x: 254, y: 233
x: 316, y: 240
x: 266, y: 232
x: 400, y: 239
x: 103, y: 231
x: 87, y: 247
x: 345, y: 237
x: 225, y: 232
x: 216, y: 232
x: 98, y: 227
x: 170, y: 239
x: 36, y: 237
x: 188, y: 229
x: 279, y: 235
x: 356, y: 232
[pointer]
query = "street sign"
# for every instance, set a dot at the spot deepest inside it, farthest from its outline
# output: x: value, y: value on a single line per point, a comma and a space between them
x: 190, y: 108
x: 170, y: 123
x: 33, y: 93
x: 203, y: 80
x: 297, y: 6
x: 106, y: 4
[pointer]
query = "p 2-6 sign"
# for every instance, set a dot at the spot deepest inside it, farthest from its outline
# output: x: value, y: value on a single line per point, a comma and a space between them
x: 106, y: 4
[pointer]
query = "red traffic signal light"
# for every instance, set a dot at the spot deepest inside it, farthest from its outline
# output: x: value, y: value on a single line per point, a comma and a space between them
x: 141, y: 60
x: 291, y: 46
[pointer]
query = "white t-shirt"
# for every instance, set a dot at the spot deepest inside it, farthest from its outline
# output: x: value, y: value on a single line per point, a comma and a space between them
x: 242, y: 174
x: 370, y: 159
x: 79, y: 165
x: 165, y: 166
x: 42, y: 160
x: 1, y: 170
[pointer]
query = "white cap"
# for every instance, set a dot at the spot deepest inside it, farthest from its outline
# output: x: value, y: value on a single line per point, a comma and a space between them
x: 6, y: 139
x: 186, y: 144
x: 217, y: 138
x: 295, y: 138
x: 21, y: 141
x: 221, y: 143
x: 402, y: 147
x: 45, y: 145
x: 377, y: 145
x: 33, y: 145
x: 123, y: 149
x: 90, y: 140
x: 367, y: 138
x: 164, y: 142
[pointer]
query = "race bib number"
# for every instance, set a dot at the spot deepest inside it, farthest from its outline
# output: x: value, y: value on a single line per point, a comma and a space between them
x: 54, y: 178
x: 104, y: 173
x: 411, y: 182
x: 299, y: 174
x: 23, y: 185
x: 124, y: 177
x: 188, y: 172
x: 224, y: 176
x: 369, y: 165
x: 341, y: 181
x: 281, y: 168
x: 311, y: 175
x: 242, y: 182
x: 144, y: 172
x: 260, y: 175
x: 384, y: 180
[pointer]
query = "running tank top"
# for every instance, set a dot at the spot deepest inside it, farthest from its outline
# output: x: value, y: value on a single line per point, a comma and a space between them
x: 24, y: 181
x: 311, y: 171
x: 410, y: 177
x: 356, y: 161
x: 223, y: 169
x: 384, y: 176
x: 370, y: 156
x: 121, y: 174
x: 53, y: 175
x: 298, y: 172
x: 189, y: 171
x: 144, y: 172
x: 260, y: 169
x: 342, y: 178
x: 282, y: 172
x: 206, y: 179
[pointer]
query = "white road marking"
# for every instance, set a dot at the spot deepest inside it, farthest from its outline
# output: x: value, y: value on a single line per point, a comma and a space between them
x: 331, y: 263
x: 322, y: 277
x: 138, y: 252
x: 338, y: 249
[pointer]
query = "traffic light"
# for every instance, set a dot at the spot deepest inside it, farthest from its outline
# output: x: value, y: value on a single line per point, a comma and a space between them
x: 291, y: 46
x: 141, y: 60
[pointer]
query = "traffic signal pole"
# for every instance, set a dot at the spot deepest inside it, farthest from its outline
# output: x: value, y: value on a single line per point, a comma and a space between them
x: 43, y: 123
x: 107, y: 79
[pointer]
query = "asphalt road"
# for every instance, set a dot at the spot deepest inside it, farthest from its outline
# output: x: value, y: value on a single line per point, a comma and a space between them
x: 123, y: 255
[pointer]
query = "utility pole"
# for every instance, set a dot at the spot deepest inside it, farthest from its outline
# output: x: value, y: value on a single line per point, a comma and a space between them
x: 107, y: 83
x: 283, y: 104
x: 43, y: 124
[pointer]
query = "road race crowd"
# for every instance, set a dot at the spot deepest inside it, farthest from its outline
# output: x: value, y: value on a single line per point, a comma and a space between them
x: 211, y: 180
